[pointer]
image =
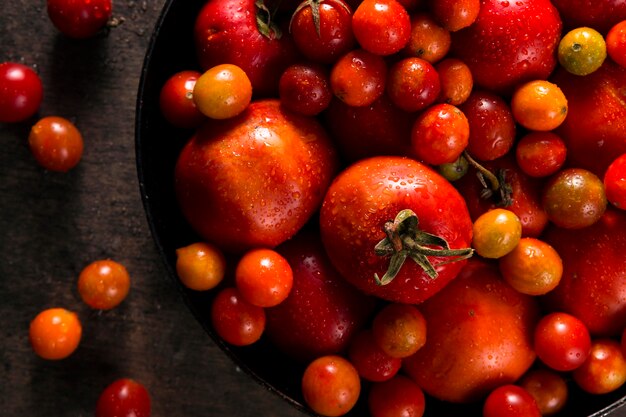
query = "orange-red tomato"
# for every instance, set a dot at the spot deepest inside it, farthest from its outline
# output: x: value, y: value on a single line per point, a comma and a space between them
x: 56, y: 143
x: 222, y: 92
x: 236, y: 320
x: 496, y: 233
x: 103, y: 284
x: 200, y: 266
x: 539, y: 105
x: 264, y: 277
x: 604, y: 370
x: 429, y: 41
x: 548, y: 388
x: 55, y: 333
x: 399, y: 330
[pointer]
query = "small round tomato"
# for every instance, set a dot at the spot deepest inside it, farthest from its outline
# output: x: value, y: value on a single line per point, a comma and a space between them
x: 322, y: 30
x: 440, y: 134
x: 548, y: 388
x: 358, y: 78
x: 55, y: 333
x: 455, y: 15
x: 413, y: 84
x: 263, y: 277
x: 176, y: 100
x: 454, y: 170
x: 616, y: 43
x: 429, y: 41
x: 200, y: 266
x: 399, y: 330
x: 79, y: 18
x: 382, y: 27
x: 21, y: 92
x: 582, y: 51
x: 540, y: 154
x: 456, y: 81
x: 615, y: 182
x: 124, y: 397
x: 222, y: 92
x: 236, y: 320
x: 533, y: 267
x: 396, y: 397
x: 604, y: 370
x: 510, y: 401
x: 103, y: 284
x: 539, y: 105
x: 56, y: 143
x: 574, y: 198
x: 370, y: 361
x: 496, y: 233
x: 331, y: 385
x: 305, y: 89
x: 562, y: 341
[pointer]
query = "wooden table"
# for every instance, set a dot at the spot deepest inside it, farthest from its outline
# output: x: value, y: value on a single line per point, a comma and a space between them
x: 52, y: 225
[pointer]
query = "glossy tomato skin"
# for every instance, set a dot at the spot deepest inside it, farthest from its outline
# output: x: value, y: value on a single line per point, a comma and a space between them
x: 255, y: 179
x: 510, y: 401
x: 21, y: 92
x: 226, y: 31
x: 600, y: 15
x: 479, y: 336
x: 79, y: 18
x: 371, y: 192
x: 124, y: 397
x: 593, y: 281
x: 510, y: 42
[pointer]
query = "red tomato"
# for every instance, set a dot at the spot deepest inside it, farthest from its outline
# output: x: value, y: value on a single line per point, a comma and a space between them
x: 263, y: 277
x: 382, y: 27
x: 604, y: 370
x: 358, y: 78
x: 540, y: 154
x: 562, y: 341
x: 103, y: 284
x: 600, y: 15
x: 176, y: 100
x: 56, y: 143
x: 616, y: 43
x: 305, y: 89
x: 479, y: 336
x: 615, y: 182
x: 399, y: 330
x: 548, y: 388
x: 397, y: 397
x: 124, y: 397
x: 370, y: 361
x: 236, y: 320
x: 355, y: 221
x: 510, y: 401
x: 21, y: 92
x: 413, y: 84
x: 79, y: 18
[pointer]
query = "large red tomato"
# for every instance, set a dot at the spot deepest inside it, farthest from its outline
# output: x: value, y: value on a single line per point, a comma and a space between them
x: 479, y: 336
x: 255, y: 179
x: 600, y: 15
x: 367, y: 229
x: 593, y: 285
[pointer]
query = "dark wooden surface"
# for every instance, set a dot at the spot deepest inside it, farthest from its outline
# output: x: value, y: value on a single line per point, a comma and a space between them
x: 52, y: 225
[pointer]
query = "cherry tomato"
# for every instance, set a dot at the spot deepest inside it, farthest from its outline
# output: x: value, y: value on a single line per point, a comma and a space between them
x: 548, y: 388
x: 21, y: 92
x: 55, y: 333
x: 399, y: 330
x: 79, y: 18
x: 358, y: 77
x: 331, y: 385
x: 56, y: 143
x: 176, y: 100
x: 413, y: 84
x: 455, y: 15
x: 616, y: 43
x: 370, y: 361
x: 615, y: 182
x: 440, y: 134
x: 236, y: 320
x: 540, y: 154
x: 533, y: 267
x: 222, y: 92
x: 396, y: 397
x: 510, y: 401
x: 263, y: 277
x: 456, y: 81
x: 496, y: 233
x: 124, y: 397
x: 200, y: 266
x: 454, y: 170
x: 604, y: 370
x: 539, y: 105
x: 103, y: 284
x: 574, y: 198
x: 382, y: 27
x: 562, y: 341
x: 582, y: 51
x: 429, y: 41
x: 305, y: 89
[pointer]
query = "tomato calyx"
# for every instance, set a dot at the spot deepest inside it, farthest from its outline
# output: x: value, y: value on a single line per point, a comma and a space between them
x: 405, y: 240
x: 265, y: 23
x: 494, y: 185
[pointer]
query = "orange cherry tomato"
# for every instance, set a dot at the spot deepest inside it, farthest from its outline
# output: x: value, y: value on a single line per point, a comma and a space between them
x: 55, y: 333
x: 539, y: 105
x: 429, y: 41
x: 56, y: 143
x: 222, y: 92
x: 200, y: 266
x: 264, y: 277
x: 399, y: 330
x: 496, y: 233
x: 456, y: 14
x: 103, y: 284
x: 456, y: 81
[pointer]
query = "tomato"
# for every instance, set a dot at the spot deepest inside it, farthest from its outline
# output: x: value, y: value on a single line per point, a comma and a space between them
x: 593, y: 282
x: 440, y: 134
x: 399, y: 330
x: 562, y: 341
x: 455, y: 15
x: 396, y: 397
x: 79, y: 18
x: 56, y: 143
x: 604, y: 370
x: 510, y: 401
x: 600, y: 15
x: 237, y: 204
x: 413, y: 84
x: 496, y: 233
x: 540, y: 154
x: 539, y: 105
x: 358, y: 78
x: 358, y: 234
x: 582, y: 51
x: 382, y: 27
x: 454, y: 170
x: 616, y: 43
x: 263, y: 277
x: 322, y: 29
x: 456, y: 81
x: 331, y: 385
x: 236, y: 320
x: 548, y: 388
x: 429, y: 41
x: 200, y: 266
x: 370, y: 361
x: 103, y: 284
x: 176, y: 100
x: 479, y: 336
x: 305, y: 89
x: 55, y: 333
x: 124, y: 397
x: 222, y: 92
x: 21, y: 92
x: 615, y: 182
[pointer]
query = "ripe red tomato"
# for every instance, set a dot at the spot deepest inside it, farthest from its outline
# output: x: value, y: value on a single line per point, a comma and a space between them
x: 240, y: 189
x: 176, y: 100
x: 510, y: 401
x: 396, y: 397
x: 382, y: 27
x: 124, y: 397
x: 370, y: 361
x: 103, y: 284
x: 21, y: 92
x: 236, y: 320
x: 355, y: 222
x: 562, y: 341
x: 305, y: 89
x: 440, y: 134
x: 263, y: 277
x: 615, y: 182
x: 413, y: 84
x: 540, y: 154
x: 616, y: 43
x: 358, y: 78
x: 548, y: 388
x: 600, y: 15
x: 604, y: 370
x: 79, y: 18
x: 56, y: 143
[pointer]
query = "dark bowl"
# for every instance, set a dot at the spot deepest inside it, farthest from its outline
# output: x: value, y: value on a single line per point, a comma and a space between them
x: 157, y: 146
